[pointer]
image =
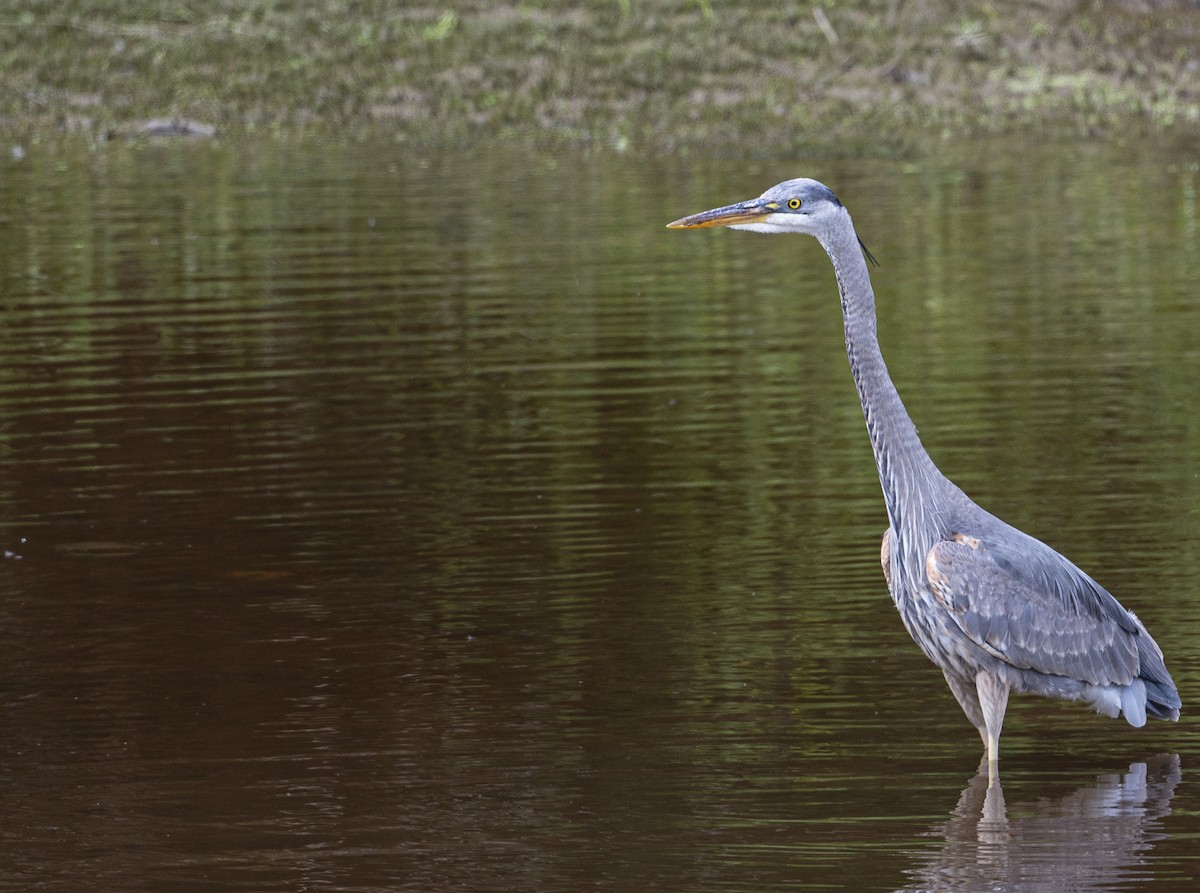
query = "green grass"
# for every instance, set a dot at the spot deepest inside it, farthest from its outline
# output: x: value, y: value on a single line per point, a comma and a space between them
x: 673, y: 75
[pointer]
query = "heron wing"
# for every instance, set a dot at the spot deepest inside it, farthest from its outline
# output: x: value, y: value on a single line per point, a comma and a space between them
x: 1032, y: 608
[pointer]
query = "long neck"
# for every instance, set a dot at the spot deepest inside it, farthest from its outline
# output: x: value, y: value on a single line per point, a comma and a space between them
x: 913, y: 488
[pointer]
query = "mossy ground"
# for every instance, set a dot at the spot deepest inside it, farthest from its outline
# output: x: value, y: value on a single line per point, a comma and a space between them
x: 666, y: 75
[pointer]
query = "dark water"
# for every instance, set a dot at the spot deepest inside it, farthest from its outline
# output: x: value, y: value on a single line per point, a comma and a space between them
x: 379, y: 521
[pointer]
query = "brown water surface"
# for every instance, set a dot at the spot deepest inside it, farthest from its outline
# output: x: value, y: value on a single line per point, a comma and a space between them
x: 388, y: 522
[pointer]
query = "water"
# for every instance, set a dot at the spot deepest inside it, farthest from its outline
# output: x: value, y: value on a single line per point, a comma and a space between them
x: 443, y: 522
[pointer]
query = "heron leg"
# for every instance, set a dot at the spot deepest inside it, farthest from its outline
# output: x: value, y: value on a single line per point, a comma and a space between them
x: 967, y: 695
x: 992, y: 692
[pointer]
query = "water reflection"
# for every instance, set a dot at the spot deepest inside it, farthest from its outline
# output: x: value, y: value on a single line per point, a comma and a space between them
x: 1088, y: 839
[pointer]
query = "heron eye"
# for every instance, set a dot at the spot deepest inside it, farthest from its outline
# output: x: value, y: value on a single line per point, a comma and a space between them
x: 794, y: 203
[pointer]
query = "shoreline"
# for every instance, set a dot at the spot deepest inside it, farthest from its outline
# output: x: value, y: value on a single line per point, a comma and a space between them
x: 671, y: 77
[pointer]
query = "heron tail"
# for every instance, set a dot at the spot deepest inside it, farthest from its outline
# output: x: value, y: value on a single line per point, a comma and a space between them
x: 1162, y: 697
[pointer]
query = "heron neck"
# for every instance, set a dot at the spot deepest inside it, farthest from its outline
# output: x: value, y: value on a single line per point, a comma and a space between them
x: 911, y: 482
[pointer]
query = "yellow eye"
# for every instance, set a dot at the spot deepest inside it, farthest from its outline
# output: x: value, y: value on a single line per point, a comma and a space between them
x: 793, y: 203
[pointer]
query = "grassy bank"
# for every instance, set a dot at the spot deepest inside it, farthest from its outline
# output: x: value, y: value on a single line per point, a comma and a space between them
x: 698, y: 75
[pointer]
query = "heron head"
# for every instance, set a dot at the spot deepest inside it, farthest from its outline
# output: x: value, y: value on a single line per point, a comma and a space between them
x: 793, y: 206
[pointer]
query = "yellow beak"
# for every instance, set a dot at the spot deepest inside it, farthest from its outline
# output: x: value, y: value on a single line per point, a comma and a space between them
x: 743, y: 212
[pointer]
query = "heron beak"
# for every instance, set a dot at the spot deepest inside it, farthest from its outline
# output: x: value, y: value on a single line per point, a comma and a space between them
x: 743, y: 212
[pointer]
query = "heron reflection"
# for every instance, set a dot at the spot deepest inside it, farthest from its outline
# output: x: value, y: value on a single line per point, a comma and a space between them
x: 1086, y: 840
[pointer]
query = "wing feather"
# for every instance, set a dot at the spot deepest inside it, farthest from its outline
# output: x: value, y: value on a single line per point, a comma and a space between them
x: 1034, y: 609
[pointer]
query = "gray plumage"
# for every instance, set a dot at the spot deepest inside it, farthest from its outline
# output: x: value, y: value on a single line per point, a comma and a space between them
x: 997, y: 610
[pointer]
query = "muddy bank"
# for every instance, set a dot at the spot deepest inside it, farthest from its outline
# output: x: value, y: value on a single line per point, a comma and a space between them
x: 668, y: 75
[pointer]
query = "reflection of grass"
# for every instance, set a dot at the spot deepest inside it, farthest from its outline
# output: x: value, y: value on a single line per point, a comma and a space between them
x: 768, y: 78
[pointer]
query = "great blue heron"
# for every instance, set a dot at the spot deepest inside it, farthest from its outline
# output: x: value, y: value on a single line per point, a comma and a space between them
x: 996, y: 609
